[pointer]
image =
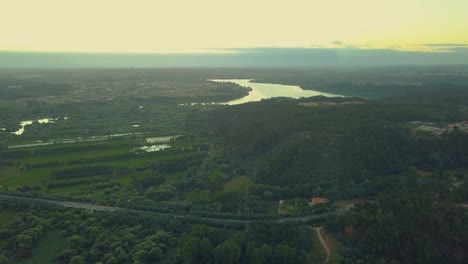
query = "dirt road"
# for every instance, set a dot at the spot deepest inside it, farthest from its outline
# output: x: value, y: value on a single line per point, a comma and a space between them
x: 323, y: 242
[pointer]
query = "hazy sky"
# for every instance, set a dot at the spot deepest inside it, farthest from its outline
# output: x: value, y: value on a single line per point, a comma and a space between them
x: 146, y: 26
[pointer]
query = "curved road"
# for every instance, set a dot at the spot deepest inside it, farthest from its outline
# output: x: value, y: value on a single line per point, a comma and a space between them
x: 187, y: 217
x: 63, y: 203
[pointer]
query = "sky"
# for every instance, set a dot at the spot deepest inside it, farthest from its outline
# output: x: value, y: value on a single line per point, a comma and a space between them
x: 155, y: 26
x: 227, y: 26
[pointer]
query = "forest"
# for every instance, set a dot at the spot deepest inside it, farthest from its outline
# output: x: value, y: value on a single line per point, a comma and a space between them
x: 212, y: 183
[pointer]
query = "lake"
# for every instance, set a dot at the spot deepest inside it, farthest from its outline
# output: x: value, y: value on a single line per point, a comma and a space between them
x: 269, y: 90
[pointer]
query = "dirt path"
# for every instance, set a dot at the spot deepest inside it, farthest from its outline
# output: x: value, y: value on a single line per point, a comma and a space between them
x: 323, y: 242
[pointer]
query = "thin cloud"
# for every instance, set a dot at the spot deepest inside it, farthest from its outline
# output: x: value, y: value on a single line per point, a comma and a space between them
x: 352, y: 47
x: 338, y: 42
x: 458, y: 48
x: 444, y: 45
x: 316, y: 46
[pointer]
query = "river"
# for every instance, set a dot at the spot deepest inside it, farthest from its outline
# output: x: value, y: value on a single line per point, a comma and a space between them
x: 262, y: 91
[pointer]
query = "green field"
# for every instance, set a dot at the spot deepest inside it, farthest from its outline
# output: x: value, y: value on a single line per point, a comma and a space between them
x: 34, y: 166
x: 8, y: 172
x: 241, y: 183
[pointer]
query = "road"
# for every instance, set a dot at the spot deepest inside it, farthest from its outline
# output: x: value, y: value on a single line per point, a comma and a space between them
x: 64, y: 203
x: 186, y: 217
x: 323, y: 242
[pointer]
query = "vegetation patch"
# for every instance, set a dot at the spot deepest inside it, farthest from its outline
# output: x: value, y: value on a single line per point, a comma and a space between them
x: 48, y: 249
x: 240, y: 183
x: 317, y: 253
x: 8, y: 172
x: 7, y: 216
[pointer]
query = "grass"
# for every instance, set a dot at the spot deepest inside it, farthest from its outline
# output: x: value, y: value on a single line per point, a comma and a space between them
x: 8, y: 172
x: 29, y: 177
x: 66, y: 158
x: 140, y: 175
x: 238, y: 183
x: 40, y: 176
x: 61, y: 146
x: 6, y: 216
x: 343, y: 204
x: 67, y: 189
x: 125, y: 181
x: 317, y: 253
x: 47, y: 249
x: 333, y: 245
x: 172, y: 177
x: 67, y: 153
x: 198, y: 196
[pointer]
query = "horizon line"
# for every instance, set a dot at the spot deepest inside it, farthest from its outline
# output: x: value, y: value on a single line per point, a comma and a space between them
x: 430, y: 48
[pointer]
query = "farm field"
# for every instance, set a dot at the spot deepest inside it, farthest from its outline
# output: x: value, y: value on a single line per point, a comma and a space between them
x: 67, y: 168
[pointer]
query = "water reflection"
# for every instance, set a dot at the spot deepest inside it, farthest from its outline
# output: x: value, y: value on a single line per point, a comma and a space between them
x: 268, y: 90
